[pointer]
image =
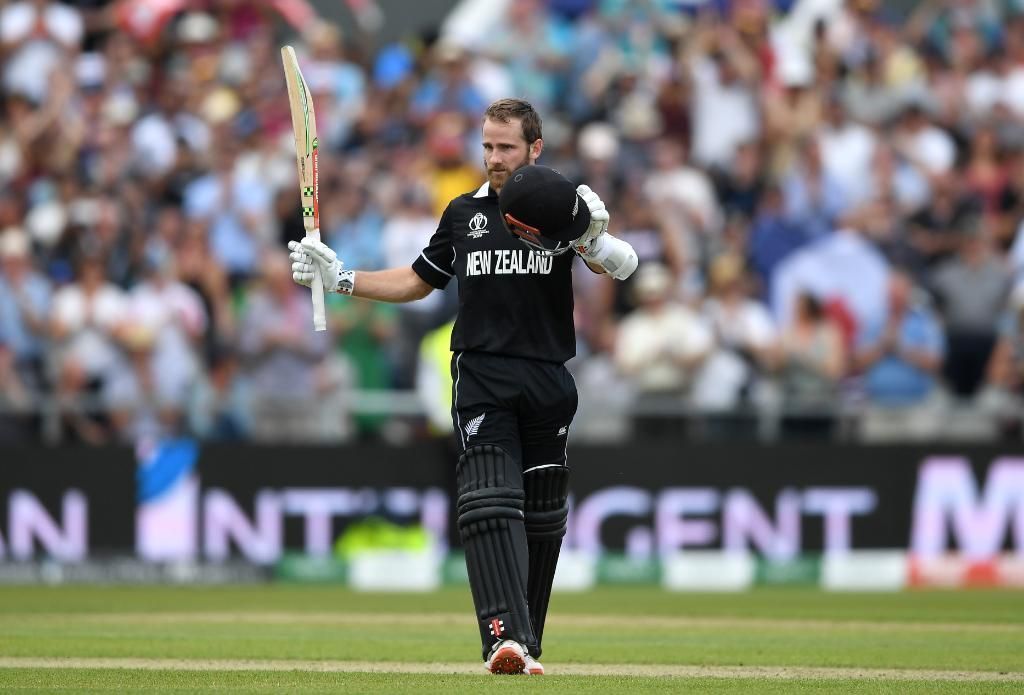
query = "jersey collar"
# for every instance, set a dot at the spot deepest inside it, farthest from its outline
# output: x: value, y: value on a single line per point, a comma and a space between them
x: 484, y: 191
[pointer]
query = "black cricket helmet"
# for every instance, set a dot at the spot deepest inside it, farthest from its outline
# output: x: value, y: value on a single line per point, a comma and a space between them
x: 542, y: 208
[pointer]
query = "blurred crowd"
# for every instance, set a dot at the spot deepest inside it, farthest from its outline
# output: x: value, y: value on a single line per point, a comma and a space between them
x: 825, y: 197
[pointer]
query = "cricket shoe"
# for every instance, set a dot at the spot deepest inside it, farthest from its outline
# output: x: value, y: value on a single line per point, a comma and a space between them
x: 533, y: 667
x: 507, y: 657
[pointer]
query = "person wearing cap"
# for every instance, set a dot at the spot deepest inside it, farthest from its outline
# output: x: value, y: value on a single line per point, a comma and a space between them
x: 511, y: 244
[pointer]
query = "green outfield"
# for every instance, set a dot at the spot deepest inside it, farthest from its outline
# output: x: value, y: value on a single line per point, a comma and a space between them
x: 296, y: 639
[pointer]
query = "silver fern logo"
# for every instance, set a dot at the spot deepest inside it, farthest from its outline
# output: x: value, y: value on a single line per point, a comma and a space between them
x: 473, y: 426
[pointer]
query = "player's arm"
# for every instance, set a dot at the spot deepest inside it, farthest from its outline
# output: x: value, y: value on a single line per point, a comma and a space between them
x: 432, y: 270
x: 392, y: 285
x: 602, y: 252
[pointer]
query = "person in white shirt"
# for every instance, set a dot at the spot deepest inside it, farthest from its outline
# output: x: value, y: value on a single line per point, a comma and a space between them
x: 847, y: 151
x: 660, y: 345
x: 725, y: 104
x: 746, y: 338
x: 85, y: 315
x: 924, y: 143
x: 36, y: 37
x: 675, y: 184
x: 161, y: 327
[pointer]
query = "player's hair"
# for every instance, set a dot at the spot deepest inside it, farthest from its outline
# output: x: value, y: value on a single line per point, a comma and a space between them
x: 504, y: 110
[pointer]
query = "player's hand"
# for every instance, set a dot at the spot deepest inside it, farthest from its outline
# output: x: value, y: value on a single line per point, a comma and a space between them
x: 599, y: 219
x: 311, y: 256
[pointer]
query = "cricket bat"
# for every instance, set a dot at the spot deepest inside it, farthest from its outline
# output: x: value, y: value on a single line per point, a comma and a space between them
x: 306, y: 158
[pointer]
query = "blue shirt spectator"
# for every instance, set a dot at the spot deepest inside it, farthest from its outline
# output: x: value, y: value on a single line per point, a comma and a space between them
x: 448, y: 88
x: 234, y: 216
x: 359, y: 237
x: 901, y: 354
x: 813, y: 197
x: 773, y: 236
x: 24, y: 300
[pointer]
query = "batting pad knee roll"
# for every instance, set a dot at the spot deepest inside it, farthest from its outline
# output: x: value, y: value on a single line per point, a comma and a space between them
x: 490, y: 518
x: 546, y: 508
x: 490, y: 486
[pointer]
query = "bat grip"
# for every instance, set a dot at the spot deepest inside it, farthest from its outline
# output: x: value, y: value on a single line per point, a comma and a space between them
x: 319, y: 308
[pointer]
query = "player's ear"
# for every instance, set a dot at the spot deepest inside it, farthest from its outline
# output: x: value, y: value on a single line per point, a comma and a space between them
x: 535, y: 148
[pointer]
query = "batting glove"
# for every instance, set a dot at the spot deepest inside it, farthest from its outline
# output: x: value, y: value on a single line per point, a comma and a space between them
x: 311, y: 256
x: 599, y: 218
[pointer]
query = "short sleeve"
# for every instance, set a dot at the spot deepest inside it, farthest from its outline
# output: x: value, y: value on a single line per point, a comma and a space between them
x: 436, y: 263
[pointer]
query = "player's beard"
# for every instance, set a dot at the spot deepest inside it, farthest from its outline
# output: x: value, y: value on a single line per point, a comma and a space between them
x: 497, y: 177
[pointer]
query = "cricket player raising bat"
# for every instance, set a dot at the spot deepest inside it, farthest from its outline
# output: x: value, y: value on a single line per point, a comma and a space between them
x: 511, y: 244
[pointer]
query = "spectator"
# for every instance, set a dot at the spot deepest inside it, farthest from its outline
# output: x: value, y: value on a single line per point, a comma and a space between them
x: 339, y: 83
x: 971, y: 317
x: 447, y: 88
x: 356, y: 231
x: 986, y: 174
x: 199, y: 271
x: 36, y: 37
x: 740, y: 187
x: 1005, y: 370
x: 895, y: 179
x: 25, y: 297
x: 745, y: 338
x: 923, y: 143
x: 236, y: 208
x: 773, y: 237
x: 534, y: 46
x: 660, y: 346
x: 900, y: 358
x: 686, y: 189
x: 870, y: 96
x: 598, y: 149
x: 217, y: 409
x: 724, y: 75
x: 812, y: 363
x: 449, y: 174
x: 657, y: 236
x: 813, y: 198
x: 935, y: 230
x: 138, y: 410
x: 85, y: 316
x: 847, y: 149
x: 281, y: 357
x: 162, y: 326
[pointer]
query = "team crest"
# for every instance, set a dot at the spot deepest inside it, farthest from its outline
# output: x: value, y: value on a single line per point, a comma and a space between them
x: 478, y: 225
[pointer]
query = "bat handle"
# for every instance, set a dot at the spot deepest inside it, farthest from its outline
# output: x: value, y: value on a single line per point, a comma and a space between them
x: 319, y: 309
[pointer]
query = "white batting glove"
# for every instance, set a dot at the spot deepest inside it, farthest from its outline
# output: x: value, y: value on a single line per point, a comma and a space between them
x: 600, y: 248
x: 311, y: 256
x: 599, y: 218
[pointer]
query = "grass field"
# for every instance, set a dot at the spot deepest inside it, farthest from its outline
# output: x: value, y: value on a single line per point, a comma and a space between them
x: 310, y: 639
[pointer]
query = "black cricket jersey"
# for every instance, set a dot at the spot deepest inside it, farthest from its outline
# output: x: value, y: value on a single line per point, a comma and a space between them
x: 513, y: 300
